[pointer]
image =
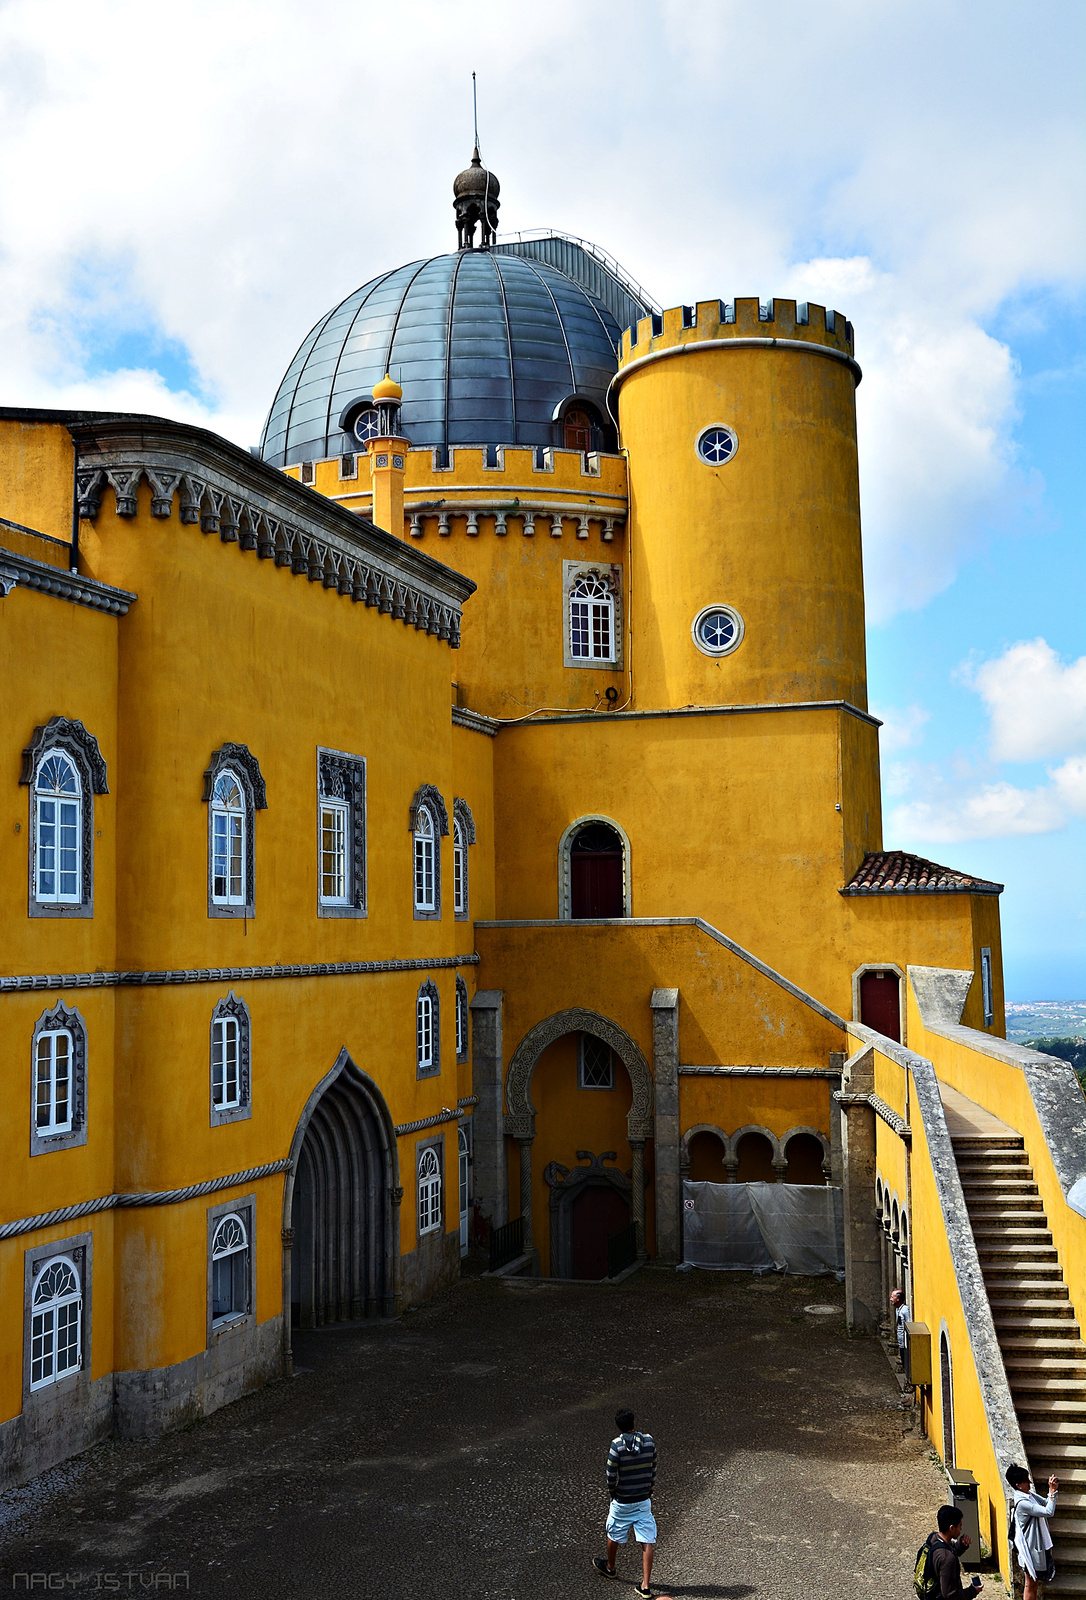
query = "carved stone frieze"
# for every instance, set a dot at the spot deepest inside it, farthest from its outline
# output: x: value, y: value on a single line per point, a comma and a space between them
x: 70, y: 734
x: 520, y: 1115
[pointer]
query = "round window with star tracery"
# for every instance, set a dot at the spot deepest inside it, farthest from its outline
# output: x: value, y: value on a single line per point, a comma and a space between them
x: 717, y: 630
x: 717, y: 445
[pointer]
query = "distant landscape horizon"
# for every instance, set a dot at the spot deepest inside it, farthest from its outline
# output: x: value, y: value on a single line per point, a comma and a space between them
x: 1052, y: 1019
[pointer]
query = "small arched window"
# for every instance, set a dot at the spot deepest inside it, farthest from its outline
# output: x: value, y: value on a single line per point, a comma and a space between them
x: 229, y: 1268
x: 425, y: 862
x: 578, y: 429
x: 430, y: 1208
x: 591, y: 619
x: 64, y: 770
x: 58, y: 802
x: 230, y: 1057
x: 460, y: 870
x: 228, y: 841
x: 461, y: 1019
x: 427, y: 1031
x: 56, y: 1323
x: 59, y: 1085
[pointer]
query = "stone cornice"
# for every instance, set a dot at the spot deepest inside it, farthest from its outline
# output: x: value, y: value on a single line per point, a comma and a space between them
x: 18, y: 571
x: 228, y: 491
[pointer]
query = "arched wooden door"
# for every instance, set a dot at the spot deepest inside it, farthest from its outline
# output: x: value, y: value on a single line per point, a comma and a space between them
x: 595, y: 873
x: 880, y: 1002
x: 598, y: 1210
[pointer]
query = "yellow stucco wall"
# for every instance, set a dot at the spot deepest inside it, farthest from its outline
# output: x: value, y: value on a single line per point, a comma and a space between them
x: 36, y: 481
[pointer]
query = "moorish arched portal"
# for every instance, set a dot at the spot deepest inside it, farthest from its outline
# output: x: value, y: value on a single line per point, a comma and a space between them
x: 520, y: 1112
x: 340, y: 1205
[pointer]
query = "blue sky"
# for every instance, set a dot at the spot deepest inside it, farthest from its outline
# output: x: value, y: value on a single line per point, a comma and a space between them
x: 183, y: 193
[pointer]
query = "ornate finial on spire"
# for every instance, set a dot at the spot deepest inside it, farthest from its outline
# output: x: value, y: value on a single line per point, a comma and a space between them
x: 475, y: 195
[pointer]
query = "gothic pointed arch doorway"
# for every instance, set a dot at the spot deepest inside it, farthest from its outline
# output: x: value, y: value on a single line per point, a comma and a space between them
x: 341, y: 1212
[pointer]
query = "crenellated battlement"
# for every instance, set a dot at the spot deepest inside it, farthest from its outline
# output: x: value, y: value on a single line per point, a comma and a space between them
x: 800, y: 321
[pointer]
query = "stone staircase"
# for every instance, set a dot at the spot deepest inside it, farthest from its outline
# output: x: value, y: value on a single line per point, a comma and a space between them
x: 1043, y: 1350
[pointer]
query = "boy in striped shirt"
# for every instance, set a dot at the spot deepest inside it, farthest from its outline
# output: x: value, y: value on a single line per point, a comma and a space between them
x: 631, y: 1474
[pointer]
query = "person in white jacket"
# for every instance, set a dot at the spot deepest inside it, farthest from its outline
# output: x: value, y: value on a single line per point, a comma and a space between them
x: 1029, y: 1528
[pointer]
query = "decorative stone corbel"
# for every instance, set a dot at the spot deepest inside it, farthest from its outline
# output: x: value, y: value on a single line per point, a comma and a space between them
x: 556, y: 525
x: 163, y: 485
x: 582, y: 526
x: 192, y: 493
x: 89, y: 483
x: 499, y: 524
x: 125, y: 482
x: 472, y: 529
x: 529, y: 525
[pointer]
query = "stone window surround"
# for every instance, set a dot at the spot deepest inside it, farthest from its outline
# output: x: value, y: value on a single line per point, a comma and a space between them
x: 231, y: 1005
x: 463, y: 1011
x: 430, y: 990
x: 463, y: 819
x: 75, y: 1023
x: 429, y: 796
x: 79, y: 1248
x: 611, y: 573
x: 239, y: 759
x: 245, y: 1207
x: 353, y: 769
x: 881, y: 966
x: 435, y: 1142
x: 68, y: 735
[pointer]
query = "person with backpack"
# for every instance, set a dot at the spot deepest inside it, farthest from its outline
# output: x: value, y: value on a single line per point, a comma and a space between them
x: 1029, y: 1530
x: 631, y: 1474
x: 938, y: 1571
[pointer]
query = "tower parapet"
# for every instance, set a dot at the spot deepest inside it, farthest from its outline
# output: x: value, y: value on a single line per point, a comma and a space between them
x: 744, y: 523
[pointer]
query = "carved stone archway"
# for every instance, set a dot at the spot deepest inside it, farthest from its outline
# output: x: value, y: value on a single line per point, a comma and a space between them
x: 520, y: 1112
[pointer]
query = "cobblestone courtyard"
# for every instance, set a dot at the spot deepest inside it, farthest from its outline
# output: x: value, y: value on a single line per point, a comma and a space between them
x: 461, y: 1452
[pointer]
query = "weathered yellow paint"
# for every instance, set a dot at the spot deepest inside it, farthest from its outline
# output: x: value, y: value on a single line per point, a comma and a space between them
x: 37, y: 475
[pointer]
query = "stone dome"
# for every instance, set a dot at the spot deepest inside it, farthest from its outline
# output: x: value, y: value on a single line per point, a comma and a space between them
x: 486, y: 347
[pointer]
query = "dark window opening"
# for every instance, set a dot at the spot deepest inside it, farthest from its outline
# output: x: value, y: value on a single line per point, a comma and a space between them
x: 595, y: 873
x: 805, y: 1156
x: 706, y: 1153
x: 755, y: 1159
x: 880, y: 1003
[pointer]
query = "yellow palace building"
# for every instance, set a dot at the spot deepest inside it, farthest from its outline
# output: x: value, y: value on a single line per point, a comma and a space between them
x: 456, y: 826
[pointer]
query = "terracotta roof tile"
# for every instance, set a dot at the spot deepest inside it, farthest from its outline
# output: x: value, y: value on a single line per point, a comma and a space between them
x: 898, y: 872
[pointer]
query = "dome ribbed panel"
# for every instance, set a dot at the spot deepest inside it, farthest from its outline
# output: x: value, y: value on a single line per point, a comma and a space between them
x: 477, y: 365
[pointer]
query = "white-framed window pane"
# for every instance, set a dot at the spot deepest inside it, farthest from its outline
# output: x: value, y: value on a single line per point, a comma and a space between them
x: 53, y: 1083
x: 55, y: 1324
x: 460, y: 878
x: 461, y: 1020
x: 229, y: 1269
x: 333, y: 863
x: 578, y: 628
x: 225, y: 1063
x: 429, y: 1180
x: 68, y: 851
x: 601, y: 632
x: 424, y: 1030
x: 424, y: 873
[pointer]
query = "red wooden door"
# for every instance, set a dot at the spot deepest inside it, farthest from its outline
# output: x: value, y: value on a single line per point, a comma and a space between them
x: 578, y: 431
x: 880, y: 1003
x: 598, y: 1210
x: 595, y: 873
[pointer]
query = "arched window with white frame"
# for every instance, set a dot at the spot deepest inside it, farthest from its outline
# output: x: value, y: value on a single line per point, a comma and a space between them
x: 64, y: 770
x: 429, y: 1190
x: 463, y: 836
x: 59, y: 1081
x: 234, y: 791
x: 591, y: 619
x: 425, y: 862
x: 230, y: 1061
x: 461, y: 1019
x: 58, y: 801
x: 229, y: 1268
x: 427, y: 1031
x: 429, y: 822
x: 56, y: 1322
x: 228, y: 886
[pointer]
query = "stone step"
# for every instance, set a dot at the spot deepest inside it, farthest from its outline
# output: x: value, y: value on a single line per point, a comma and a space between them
x: 1011, y: 1166
x: 1025, y: 1265
x: 1027, y: 1382
x: 1037, y: 1352
x: 1040, y: 1405
x: 1016, y: 1253
x: 982, y: 1184
x: 1055, y: 1429
x: 987, y: 1141
x: 1052, y: 1453
x: 1017, y: 1288
x: 1027, y: 1211
x: 1010, y: 1324
x: 1028, y: 1305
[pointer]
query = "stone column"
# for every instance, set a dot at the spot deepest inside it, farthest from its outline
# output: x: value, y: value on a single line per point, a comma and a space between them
x: 863, y: 1266
x: 637, y: 1197
x: 526, y: 1190
x: 288, y: 1351
x: 489, y: 1171
x: 837, y: 1063
x: 780, y: 1168
x: 668, y: 1177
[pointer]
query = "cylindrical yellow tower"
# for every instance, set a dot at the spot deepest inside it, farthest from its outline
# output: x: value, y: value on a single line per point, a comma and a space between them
x: 744, y: 527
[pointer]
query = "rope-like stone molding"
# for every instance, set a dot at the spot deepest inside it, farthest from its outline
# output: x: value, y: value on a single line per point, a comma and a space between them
x: 759, y: 1072
x: 17, y: 569
x: 162, y: 1197
x: 315, y: 969
x: 891, y: 1118
x: 446, y: 1114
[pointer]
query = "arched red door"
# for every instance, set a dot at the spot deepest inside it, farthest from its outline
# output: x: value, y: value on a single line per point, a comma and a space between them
x: 598, y: 1210
x: 578, y: 429
x: 595, y: 873
x: 880, y: 1003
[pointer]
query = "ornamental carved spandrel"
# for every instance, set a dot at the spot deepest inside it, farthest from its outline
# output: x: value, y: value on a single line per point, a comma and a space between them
x: 237, y: 755
x: 68, y: 734
x: 427, y: 795
x: 520, y: 1115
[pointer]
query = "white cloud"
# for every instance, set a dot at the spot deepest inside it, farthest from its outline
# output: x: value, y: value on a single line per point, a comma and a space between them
x: 214, y: 172
x: 1036, y: 703
x: 901, y: 727
x: 995, y: 811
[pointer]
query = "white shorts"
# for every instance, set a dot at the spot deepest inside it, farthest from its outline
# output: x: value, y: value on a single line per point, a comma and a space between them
x: 638, y: 1516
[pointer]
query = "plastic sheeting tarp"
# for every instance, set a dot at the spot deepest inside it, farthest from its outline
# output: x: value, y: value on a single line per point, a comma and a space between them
x: 764, y: 1227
